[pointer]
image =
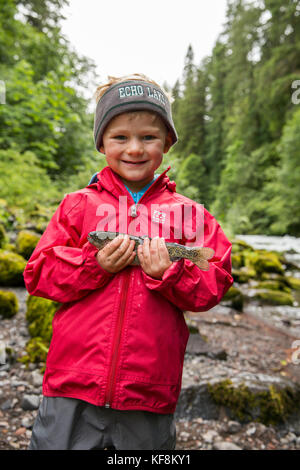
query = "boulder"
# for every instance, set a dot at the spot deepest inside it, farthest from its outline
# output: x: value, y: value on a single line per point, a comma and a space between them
x: 9, y: 305
x: 235, y: 298
x: 242, y: 396
x: 12, y: 266
x: 273, y: 297
x: 26, y: 242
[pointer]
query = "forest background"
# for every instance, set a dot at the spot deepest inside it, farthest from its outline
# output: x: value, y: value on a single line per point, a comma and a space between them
x: 237, y: 114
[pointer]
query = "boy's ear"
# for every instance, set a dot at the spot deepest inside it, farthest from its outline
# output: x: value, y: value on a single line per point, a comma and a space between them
x: 101, y: 148
x: 168, y: 142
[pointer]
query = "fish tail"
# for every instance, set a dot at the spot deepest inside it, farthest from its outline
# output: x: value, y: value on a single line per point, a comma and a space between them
x: 202, y: 255
x: 202, y: 264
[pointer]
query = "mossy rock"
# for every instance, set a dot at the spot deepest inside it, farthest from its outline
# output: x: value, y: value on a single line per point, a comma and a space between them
x: 235, y: 297
x: 26, y: 243
x: 12, y: 266
x: 273, y: 297
x: 243, y: 275
x: 240, y: 245
x: 293, y: 282
x: 273, y: 284
x: 9, y: 305
x: 262, y: 261
x: 237, y: 260
x: 39, y: 315
x: 270, y: 407
x: 36, y: 350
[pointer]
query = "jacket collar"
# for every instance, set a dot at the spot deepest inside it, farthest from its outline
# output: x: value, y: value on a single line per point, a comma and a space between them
x: 111, y: 181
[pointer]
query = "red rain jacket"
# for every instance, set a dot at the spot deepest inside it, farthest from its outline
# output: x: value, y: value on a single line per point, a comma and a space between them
x: 119, y: 339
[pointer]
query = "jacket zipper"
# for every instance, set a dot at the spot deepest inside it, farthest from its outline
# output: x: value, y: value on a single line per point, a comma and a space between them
x: 118, y: 332
x: 116, y: 343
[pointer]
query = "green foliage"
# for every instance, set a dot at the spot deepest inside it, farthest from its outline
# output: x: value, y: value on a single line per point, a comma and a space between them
x: 23, y: 182
x: 9, y: 305
x: 191, y: 178
x: 235, y: 110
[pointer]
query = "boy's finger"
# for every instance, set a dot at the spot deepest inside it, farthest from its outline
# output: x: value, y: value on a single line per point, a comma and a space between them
x: 110, y: 247
x: 163, y: 251
x: 154, y: 249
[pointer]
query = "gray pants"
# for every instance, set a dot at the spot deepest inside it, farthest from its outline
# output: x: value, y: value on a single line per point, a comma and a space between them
x: 71, y: 424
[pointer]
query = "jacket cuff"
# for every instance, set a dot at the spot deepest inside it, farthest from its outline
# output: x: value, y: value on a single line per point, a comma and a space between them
x: 91, y: 265
x: 170, y: 277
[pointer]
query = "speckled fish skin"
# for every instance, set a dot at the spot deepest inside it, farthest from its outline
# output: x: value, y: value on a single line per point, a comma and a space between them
x: 198, y: 255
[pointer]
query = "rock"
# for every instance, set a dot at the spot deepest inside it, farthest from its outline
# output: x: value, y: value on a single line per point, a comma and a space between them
x: 210, y: 436
x: 20, y: 431
x: 36, y: 378
x: 26, y: 242
x: 30, y: 402
x: 12, y: 267
x: 233, y: 427
x: 273, y: 297
x: 243, y: 396
x: 224, y: 445
x: 9, y: 304
x: 196, y: 345
x: 6, y: 405
x: 27, y: 422
x: 235, y: 298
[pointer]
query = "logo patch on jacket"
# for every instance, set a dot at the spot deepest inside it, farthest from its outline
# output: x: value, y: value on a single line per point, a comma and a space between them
x: 159, y: 216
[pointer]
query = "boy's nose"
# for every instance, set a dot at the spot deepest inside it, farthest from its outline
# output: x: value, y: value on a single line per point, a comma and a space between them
x: 135, y: 147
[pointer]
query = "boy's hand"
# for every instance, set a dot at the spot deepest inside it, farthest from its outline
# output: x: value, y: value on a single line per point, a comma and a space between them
x: 117, y: 254
x: 154, y: 257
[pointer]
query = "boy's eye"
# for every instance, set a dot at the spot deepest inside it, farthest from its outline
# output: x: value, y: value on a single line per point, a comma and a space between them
x: 149, y: 137
x: 120, y: 137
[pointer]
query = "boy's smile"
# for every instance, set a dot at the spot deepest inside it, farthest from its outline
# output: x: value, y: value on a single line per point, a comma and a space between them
x: 134, y: 144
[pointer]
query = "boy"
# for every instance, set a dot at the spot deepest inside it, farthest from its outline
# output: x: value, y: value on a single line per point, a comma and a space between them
x: 114, y: 367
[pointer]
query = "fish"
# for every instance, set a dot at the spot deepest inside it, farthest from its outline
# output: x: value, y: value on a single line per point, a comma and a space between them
x: 198, y: 255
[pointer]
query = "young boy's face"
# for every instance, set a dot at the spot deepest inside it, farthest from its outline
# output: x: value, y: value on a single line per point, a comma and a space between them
x: 134, y: 144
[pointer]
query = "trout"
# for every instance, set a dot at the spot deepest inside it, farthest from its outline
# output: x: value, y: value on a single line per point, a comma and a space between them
x: 198, y: 255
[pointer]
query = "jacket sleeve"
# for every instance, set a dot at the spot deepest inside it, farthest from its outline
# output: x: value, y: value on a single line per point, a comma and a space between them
x: 60, y: 268
x: 190, y: 288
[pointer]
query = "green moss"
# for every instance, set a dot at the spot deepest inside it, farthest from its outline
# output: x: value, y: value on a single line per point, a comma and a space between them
x: 26, y: 243
x: 271, y: 406
x: 36, y: 350
x: 243, y: 275
x: 262, y: 261
x: 8, y: 304
x: 236, y: 298
x: 293, y: 282
x: 273, y: 284
x: 240, y: 245
x: 12, y: 266
x: 237, y: 260
x: 273, y: 297
x: 39, y: 315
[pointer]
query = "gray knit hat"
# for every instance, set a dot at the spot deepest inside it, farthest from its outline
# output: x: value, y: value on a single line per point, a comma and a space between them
x: 131, y: 95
